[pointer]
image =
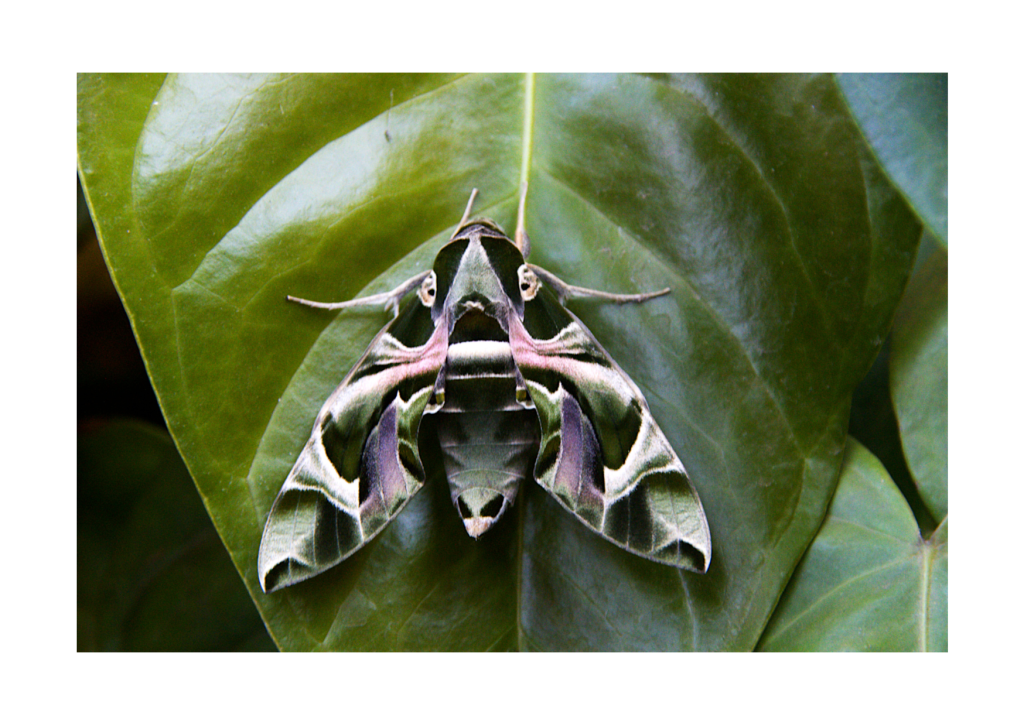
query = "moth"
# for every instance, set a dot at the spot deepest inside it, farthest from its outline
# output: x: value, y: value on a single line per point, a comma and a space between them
x: 515, y: 389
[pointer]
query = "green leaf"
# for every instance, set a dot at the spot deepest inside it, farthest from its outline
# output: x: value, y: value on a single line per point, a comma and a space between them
x: 868, y: 581
x: 904, y: 117
x: 751, y: 197
x: 919, y: 380
x: 152, y: 574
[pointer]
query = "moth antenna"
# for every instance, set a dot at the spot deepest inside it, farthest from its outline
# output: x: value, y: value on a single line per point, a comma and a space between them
x: 565, y: 291
x: 465, y: 215
x: 390, y: 299
x: 522, y: 239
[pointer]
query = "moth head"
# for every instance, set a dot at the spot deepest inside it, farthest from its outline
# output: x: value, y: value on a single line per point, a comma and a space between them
x: 478, y: 270
x: 467, y: 229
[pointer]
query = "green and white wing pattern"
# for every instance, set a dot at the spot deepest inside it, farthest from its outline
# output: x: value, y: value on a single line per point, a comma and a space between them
x: 522, y: 392
x: 602, y: 455
x: 360, y: 466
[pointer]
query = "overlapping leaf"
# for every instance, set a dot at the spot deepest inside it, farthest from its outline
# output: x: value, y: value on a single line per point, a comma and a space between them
x: 904, y: 118
x: 919, y: 381
x: 751, y: 197
x: 869, y: 581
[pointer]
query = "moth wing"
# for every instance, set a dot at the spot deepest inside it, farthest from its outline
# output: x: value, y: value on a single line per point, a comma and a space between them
x: 602, y: 455
x: 360, y: 466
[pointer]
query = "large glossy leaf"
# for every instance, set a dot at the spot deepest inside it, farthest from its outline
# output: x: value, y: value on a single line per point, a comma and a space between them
x: 869, y: 581
x: 751, y: 197
x: 904, y: 117
x: 919, y: 381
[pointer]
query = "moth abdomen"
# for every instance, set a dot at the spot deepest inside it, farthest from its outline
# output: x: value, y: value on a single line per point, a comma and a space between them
x: 487, y: 456
x: 487, y: 434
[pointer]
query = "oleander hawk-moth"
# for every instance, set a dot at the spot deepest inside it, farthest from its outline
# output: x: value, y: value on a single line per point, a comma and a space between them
x: 514, y: 388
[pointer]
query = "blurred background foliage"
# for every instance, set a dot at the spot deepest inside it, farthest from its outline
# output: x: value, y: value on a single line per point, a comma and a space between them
x: 152, y: 573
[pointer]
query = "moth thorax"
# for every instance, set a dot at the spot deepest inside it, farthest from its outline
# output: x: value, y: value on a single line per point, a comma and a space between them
x: 488, y: 434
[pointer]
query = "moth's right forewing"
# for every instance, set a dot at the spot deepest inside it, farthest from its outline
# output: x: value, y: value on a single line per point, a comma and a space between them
x: 361, y: 464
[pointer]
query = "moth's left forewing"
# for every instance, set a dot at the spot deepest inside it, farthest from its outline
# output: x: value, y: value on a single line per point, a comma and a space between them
x: 361, y: 464
x: 602, y: 455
